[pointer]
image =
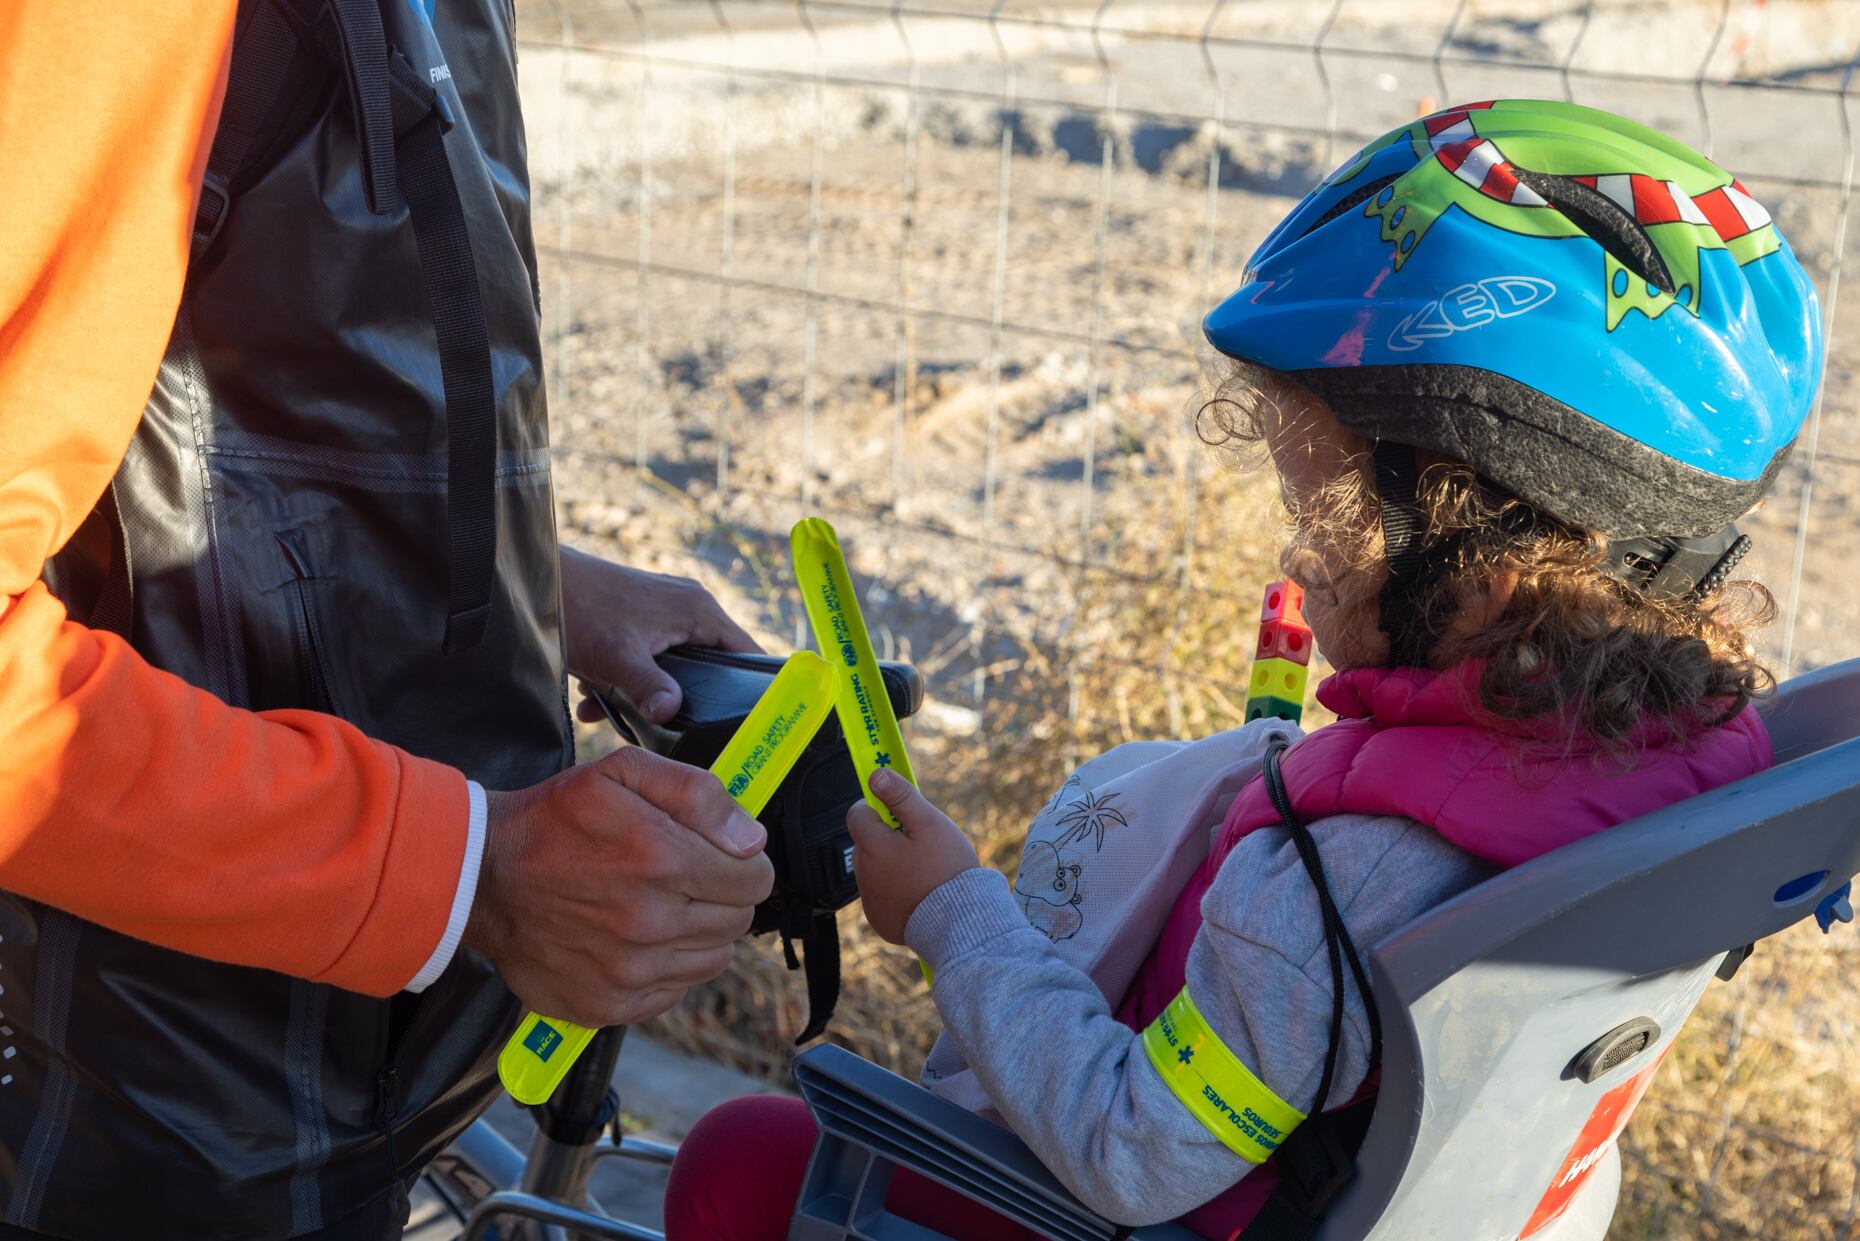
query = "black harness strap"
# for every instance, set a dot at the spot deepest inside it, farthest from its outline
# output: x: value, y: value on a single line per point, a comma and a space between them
x: 1313, y: 1170
x: 1318, y: 1158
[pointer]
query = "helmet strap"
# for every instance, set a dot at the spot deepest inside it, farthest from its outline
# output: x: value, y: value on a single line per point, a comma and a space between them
x: 1403, y: 610
x: 1667, y: 568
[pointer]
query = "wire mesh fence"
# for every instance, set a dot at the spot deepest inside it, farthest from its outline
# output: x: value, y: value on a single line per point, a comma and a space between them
x: 934, y: 269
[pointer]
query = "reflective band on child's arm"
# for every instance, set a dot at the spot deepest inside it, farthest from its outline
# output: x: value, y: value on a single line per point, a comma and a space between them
x: 1214, y: 1085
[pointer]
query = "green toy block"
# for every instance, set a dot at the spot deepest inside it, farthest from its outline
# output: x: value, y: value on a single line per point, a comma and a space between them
x: 1265, y: 706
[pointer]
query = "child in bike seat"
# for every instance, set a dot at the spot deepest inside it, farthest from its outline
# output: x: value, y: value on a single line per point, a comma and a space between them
x: 1518, y: 367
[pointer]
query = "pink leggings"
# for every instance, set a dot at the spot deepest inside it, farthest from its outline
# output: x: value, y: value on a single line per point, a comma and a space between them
x: 739, y: 1171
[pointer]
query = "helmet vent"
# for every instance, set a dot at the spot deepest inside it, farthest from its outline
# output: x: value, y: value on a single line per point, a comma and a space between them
x: 1606, y: 223
x: 1355, y: 198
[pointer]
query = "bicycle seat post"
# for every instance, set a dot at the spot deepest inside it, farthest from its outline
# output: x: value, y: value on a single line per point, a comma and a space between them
x: 570, y: 1124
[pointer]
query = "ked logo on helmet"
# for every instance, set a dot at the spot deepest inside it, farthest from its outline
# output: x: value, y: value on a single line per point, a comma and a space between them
x: 1470, y: 306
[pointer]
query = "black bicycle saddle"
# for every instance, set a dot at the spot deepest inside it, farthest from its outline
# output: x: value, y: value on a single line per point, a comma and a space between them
x: 806, y: 819
x: 720, y: 688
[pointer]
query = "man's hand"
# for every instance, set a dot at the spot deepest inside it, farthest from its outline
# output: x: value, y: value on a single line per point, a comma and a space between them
x: 610, y: 889
x: 616, y: 619
x: 897, y: 869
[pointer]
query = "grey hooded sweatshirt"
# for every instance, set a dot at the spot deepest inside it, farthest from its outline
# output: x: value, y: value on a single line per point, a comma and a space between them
x: 1076, y: 1084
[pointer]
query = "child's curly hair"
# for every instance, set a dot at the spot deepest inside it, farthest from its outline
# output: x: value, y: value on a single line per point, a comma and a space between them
x: 1574, y: 647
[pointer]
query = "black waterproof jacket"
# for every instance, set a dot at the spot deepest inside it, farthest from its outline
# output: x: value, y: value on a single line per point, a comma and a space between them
x: 290, y: 544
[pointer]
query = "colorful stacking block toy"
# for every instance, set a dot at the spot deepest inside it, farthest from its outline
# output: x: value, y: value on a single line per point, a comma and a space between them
x: 1281, y: 664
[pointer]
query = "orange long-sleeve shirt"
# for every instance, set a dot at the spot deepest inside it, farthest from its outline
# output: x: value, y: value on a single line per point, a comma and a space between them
x: 281, y: 839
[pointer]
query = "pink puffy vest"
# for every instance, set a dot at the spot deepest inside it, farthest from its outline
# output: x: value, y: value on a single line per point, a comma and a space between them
x: 1411, y: 742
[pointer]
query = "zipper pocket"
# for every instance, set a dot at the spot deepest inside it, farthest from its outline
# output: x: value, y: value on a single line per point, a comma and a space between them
x: 387, y: 1107
x: 404, y: 1013
x: 311, y: 648
x: 387, y: 1098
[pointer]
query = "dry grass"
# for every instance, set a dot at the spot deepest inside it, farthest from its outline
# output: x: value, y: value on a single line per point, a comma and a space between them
x: 1749, y: 1131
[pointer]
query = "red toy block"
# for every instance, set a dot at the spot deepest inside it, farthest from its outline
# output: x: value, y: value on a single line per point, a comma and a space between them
x: 1284, y: 639
x: 1285, y: 600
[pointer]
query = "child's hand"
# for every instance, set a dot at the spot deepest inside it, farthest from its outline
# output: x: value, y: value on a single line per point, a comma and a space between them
x: 897, y: 869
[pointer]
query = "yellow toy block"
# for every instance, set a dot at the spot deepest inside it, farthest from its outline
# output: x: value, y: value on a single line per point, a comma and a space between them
x: 1278, y: 678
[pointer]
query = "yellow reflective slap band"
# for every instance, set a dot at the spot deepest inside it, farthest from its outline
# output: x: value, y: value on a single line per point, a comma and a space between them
x: 864, y: 705
x: 776, y: 732
x: 1214, y: 1085
x: 873, y: 737
x: 752, y: 766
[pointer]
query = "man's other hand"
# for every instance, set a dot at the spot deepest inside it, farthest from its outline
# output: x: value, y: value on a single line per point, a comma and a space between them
x: 616, y: 619
x: 609, y: 890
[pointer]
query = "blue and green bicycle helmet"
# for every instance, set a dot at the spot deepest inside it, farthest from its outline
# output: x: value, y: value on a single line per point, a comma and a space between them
x: 1592, y: 315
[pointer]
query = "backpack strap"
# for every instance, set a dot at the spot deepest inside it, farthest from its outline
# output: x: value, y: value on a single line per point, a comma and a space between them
x: 1318, y: 1158
x: 401, y: 122
x: 365, y: 59
x: 451, y: 276
x: 818, y: 933
x: 806, y: 920
x: 266, y: 50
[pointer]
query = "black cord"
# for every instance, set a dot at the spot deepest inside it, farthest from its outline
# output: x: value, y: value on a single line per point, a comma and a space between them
x: 1337, y: 940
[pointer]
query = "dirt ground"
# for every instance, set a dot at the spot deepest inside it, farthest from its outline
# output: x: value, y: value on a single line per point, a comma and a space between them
x: 940, y: 280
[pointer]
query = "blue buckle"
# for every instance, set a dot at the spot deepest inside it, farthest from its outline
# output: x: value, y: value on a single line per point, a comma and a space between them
x: 1835, y: 907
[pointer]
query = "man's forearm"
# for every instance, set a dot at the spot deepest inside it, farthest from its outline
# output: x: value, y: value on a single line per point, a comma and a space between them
x: 285, y: 839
